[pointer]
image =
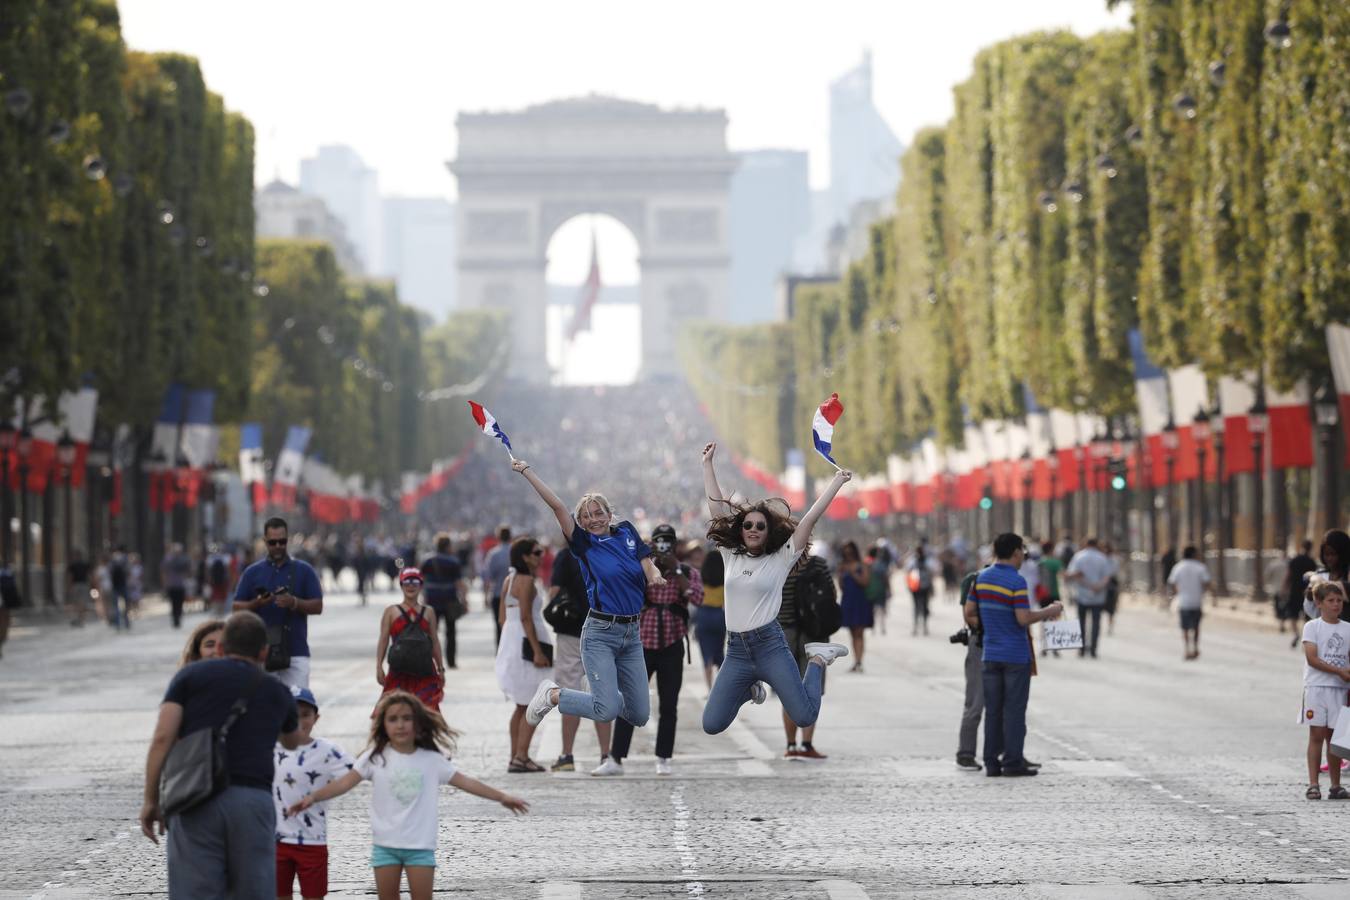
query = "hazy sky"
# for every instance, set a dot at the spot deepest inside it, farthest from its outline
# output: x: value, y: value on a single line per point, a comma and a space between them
x: 388, y: 77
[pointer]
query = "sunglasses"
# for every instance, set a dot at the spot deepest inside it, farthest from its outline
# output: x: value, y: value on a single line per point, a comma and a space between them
x: 755, y: 526
x: 536, y: 552
x: 277, y: 543
x: 415, y: 582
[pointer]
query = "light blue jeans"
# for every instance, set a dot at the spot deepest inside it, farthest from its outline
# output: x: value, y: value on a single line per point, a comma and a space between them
x: 762, y: 655
x: 616, y: 671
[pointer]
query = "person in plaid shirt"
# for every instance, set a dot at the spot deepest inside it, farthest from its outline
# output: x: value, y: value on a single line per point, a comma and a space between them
x: 664, y: 627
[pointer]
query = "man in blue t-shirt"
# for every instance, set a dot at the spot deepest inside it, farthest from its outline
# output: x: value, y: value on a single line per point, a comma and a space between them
x: 229, y: 839
x: 999, y: 598
x: 285, y: 592
x: 445, y: 591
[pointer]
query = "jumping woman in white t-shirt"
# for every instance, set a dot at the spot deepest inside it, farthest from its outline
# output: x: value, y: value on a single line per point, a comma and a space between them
x: 760, y: 544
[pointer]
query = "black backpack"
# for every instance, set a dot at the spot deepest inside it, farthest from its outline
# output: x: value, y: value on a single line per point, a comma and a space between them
x: 410, y: 654
x: 219, y: 573
x: 817, y: 609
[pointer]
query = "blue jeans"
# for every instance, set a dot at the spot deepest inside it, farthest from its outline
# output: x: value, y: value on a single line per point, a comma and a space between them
x: 611, y: 653
x: 1006, y: 689
x: 762, y: 655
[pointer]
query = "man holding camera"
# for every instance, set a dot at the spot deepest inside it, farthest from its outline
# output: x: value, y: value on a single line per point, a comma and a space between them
x: 998, y: 603
x: 284, y: 592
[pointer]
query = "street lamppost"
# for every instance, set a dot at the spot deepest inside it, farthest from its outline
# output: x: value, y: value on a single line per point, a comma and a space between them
x: 65, y: 456
x: 1257, y: 422
x: 1101, y: 454
x: 1053, y: 463
x: 1200, y: 430
x: 1223, y: 535
x: 1169, y: 444
x: 1026, y: 466
x: 1082, y: 521
x: 1325, y: 405
x: 8, y: 439
x: 24, y: 446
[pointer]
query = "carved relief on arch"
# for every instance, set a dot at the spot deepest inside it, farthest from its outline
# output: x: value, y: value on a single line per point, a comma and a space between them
x: 507, y: 226
x: 688, y: 299
x: 695, y: 225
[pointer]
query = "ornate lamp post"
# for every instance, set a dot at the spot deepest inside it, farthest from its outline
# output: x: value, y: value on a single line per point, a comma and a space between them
x: 1026, y: 466
x: 1200, y: 429
x: 1101, y: 455
x: 1222, y: 541
x: 1169, y: 444
x: 1053, y: 463
x: 1257, y: 422
x: 24, y: 446
x: 1325, y: 404
x: 8, y: 440
x: 65, y: 456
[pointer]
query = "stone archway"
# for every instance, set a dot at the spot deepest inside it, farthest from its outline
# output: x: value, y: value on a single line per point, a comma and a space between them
x: 663, y: 173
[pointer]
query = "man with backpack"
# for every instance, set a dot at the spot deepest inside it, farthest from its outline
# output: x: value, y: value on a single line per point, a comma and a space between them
x: 810, y: 613
x: 445, y: 591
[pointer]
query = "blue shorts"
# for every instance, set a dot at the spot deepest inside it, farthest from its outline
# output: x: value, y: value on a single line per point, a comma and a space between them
x: 393, y: 856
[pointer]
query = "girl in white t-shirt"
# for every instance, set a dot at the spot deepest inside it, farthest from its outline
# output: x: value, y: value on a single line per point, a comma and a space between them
x: 1326, y: 678
x: 405, y: 763
x: 760, y: 544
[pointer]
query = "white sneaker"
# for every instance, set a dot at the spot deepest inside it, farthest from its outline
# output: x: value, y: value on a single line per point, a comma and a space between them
x: 662, y: 766
x: 539, y: 703
x: 758, y: 694
x: 827, y: 652
x: 608, y: 767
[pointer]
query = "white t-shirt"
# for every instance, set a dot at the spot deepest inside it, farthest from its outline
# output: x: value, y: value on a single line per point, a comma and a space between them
x: 1333, y: 647
x: 403, y: 796
x: 1190, y: 577
x: 299, y: 772
x: 1095, y: 568
x: 754, y: 586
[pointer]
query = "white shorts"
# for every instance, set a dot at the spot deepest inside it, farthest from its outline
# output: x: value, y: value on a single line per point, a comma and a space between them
x: 567, y: 668
x: 298, y: 673
x: 1322, y: 704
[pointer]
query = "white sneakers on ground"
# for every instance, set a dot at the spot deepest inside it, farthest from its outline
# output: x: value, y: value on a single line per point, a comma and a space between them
x: 540, y: 703
x: 758, y: 693
x: 608, y: 768
x: 827, y: 653
x: 662, y: 766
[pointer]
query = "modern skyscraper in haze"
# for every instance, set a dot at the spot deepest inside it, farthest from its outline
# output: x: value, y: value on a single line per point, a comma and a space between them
x: 419, y: 251
x: 352, y: 191
x: 770, y: 210
x: 864, y: 152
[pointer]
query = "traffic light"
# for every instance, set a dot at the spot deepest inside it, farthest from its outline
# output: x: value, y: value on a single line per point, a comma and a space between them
x: 986, y: 502
x: 1118, y: 468
x: 1118, y: 482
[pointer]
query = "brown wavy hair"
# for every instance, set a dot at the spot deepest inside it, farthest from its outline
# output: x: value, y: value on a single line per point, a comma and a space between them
x: 192, y: 651
x: 725, y: 530
x: 430, y: 730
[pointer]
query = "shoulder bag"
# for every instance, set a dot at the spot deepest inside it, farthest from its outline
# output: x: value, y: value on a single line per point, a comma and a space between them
x: 279, y: 636
x: 195, y: 769
x: 526, y: 650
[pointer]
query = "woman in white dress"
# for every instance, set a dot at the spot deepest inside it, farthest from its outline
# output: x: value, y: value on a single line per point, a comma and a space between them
x: 523, y: 629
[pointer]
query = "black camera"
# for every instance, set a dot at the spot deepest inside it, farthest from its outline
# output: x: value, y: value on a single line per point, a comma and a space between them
x: 961, y: 637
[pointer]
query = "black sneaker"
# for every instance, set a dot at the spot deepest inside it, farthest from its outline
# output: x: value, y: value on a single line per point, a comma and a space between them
x: 1020, y: 772
x: 968, y: 762
x: 1031, y: 765
x: 564, y: 764
x: 993, y: 772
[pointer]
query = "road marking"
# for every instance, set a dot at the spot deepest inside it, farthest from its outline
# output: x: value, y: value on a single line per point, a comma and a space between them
x: 560, y: 890
x: 844, y: 890
x: 680, y: 842
x: 107, y: 845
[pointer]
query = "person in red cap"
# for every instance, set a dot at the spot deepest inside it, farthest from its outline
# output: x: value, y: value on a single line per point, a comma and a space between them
x: 411, y: 646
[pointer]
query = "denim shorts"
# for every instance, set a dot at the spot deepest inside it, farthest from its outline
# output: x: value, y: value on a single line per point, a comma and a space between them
x: 393, y: 856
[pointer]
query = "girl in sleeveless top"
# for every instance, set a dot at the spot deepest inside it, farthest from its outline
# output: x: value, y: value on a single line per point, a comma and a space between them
x: 522, y: 620
x: 410, y: 613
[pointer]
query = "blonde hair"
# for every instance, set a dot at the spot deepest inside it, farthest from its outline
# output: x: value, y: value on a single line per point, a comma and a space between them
x: 1322, y: 589
x: 589, y: 498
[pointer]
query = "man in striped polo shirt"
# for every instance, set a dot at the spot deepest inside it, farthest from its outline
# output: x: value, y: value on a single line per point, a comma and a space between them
x: 999, y: 598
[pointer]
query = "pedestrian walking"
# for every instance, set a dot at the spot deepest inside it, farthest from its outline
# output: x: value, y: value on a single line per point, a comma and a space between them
x: 217, y: 580
x: 809, y: 583
x: 174, y: 572
x: 1000, y: 600
x: 405, y: 762
x: 302, y: 838
x: 135, y: 584
x: 207, y: 641
x: 1089, y: 572
x: 284, y: 592
x: 1112, y: 586
x: 495, y: 566
x: 1335, y: 556
x: 78, y: 590
x: 878, y: 589
x: 525, y: 652
x: 1326, y: 674
x: 919, y: 580
x: 445, y: 591
x: 10, y: 599
x: 710, y: 620
x: 857, y: 611
x: 567, y: 600
x: 617, y: 566
x: 409, y: 643
x: 1289, y: 599
x: 663, y: 627
x: 225, y: 845
x: 760, y: 545
x: 119, y: 574
x: 1188, y: 582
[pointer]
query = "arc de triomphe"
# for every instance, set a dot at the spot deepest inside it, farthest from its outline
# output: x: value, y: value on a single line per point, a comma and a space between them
x: 662, y: 173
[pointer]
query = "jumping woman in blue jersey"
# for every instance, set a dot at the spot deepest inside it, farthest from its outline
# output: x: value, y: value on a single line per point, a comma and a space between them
x: 617, y: 568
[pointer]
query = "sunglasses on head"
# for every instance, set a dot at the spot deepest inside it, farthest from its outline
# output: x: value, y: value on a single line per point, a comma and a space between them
x: 281, y: 542
x: 755, y: 526
x: 415, y: 582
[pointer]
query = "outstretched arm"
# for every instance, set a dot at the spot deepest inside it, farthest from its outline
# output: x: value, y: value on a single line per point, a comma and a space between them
x: 802, y: 536
x: 335, y: 788
x: 717, y: 504
x: 546, y: 494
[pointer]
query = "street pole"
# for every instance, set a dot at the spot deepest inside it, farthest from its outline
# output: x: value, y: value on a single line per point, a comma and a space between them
x: 1257, y: 422
x: 1053, y: 463
x: 1325, y: 404
x: 8, y: 439
x: 1200, y: 429
x: 48, y: 550
x: 25, y: 445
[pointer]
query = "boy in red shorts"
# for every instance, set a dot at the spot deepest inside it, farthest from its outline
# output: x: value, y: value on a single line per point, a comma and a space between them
x: 302, y: 839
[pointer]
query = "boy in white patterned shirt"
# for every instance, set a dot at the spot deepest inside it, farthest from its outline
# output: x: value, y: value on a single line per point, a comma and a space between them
x: 302, y: 839
x: 1326, y: 677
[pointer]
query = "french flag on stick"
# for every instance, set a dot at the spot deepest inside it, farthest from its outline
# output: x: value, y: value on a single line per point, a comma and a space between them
x: 489, y: 426
x: 822, y: 427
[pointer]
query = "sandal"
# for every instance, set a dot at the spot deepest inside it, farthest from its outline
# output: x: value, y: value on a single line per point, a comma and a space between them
x: 516, y: 767
x: 1314, y: 792
x: 1338, y: 793
x: 529, y: 765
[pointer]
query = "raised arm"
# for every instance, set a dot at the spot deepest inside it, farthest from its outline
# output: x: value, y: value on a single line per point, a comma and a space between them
x: 335, y: 788
x: 802, y: 536
x: 546, y: 494
x: 717, y: 504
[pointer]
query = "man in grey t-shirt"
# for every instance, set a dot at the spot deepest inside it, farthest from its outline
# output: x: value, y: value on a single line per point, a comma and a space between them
x: 495, y: 567
x: 1088, y: 572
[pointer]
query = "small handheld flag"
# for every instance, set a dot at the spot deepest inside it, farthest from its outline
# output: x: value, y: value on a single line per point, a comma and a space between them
x: 822, y: 427
x: 489, y: 426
